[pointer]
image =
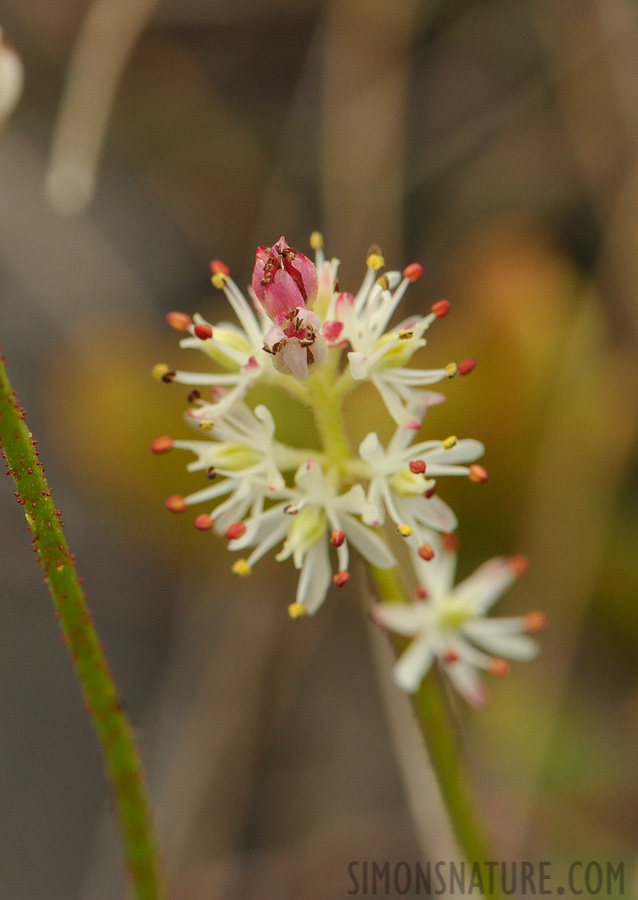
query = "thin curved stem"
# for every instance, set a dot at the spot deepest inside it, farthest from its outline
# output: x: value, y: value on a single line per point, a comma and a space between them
x: 121, y: 755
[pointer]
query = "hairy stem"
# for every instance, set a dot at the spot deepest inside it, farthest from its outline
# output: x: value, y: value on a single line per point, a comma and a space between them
x: 121, y: 756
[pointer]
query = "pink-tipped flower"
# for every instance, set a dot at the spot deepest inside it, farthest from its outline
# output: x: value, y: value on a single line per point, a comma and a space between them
x: 296, y: 343
x: 283, y: 280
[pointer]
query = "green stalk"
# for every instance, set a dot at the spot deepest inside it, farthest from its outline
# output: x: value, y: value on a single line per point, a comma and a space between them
x: 431, y: 712
x: 433, y: 717
x: 121, y: 756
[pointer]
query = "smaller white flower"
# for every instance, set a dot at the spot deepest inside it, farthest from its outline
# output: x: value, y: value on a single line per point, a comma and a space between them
x: 312, y: 519
x: 449, y: 625
x: 236, y: 349
x: 401, y: 482
x: 242, y: 458
x: 383, y: 356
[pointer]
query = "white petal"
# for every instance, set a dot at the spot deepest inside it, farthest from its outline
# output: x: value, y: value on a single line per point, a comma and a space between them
x: 467, y: 681
x: 487, y: 584
x: 513, y: 646
x: 405, y: 618
x: 433, y: 513
x: 315, y: 577
x: 413, y: 665
x: 369, y: 544
x: 464, y: 451
x: 358, y: 365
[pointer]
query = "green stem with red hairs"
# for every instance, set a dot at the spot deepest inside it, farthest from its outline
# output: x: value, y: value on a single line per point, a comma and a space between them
x: 121, y: 756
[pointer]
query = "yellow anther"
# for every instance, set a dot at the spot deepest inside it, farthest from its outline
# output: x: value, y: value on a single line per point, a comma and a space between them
x: 451, y: 369
x: 296, y: 610
x: 375, y: 261
x: 160, y: 370
x: 405, y: 334
x: 404, y: 530
x: 219, y: 280
x: 450, y: 442
x: 316, y: 242
x: 384, y: 282
x: 206, y: 425
x: 241, y: 568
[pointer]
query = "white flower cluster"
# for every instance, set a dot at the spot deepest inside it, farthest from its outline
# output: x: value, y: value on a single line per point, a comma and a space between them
x: 299, y: 333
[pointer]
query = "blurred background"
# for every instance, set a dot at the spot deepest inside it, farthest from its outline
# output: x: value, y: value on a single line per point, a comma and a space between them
x: 497, y: 144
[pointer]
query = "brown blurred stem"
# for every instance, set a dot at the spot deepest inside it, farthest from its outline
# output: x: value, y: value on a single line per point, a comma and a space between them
x: 121, y: 756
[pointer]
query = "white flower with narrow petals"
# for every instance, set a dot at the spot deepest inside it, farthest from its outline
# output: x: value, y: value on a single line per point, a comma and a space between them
x: 244, y: 461
x: 402, y: 483
x: 382, y: 356
x: 236, y: 349
x: 449, y: 625
x: 312, y: 519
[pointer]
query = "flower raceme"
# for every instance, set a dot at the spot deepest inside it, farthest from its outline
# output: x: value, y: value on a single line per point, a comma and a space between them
x: 299, y: 334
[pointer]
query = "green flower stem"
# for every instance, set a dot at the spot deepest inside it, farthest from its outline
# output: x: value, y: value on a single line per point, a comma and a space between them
x: 431, y: 711
x: 121, y: 756
x: 329, y: 420
x: 434, y: 721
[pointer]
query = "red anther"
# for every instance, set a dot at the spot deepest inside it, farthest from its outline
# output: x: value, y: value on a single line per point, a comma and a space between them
x: 413, y: 272
x: 441, y: 308
x: 426, y: 552
x: 217, y: 266
x: 536, y: 621
x: 341, y: 578
x: 236, y: 530
x: 417, y: 466
x: 337, y: 538
x: 175, y: 504
x: 450, y: 656
x: 203, y: 522
x: 500, y: 667
x: 478, y: 473
x: 203, y: 332
x: 162, y: 444
x: 519, y: 564
x: 430, y: 492
x: 179, y: 321
x: 466, y: 366
x: 421, y: 594
x: 450, y: 542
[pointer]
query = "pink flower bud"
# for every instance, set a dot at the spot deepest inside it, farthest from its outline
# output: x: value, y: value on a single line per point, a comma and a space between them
x: 283, y: 280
